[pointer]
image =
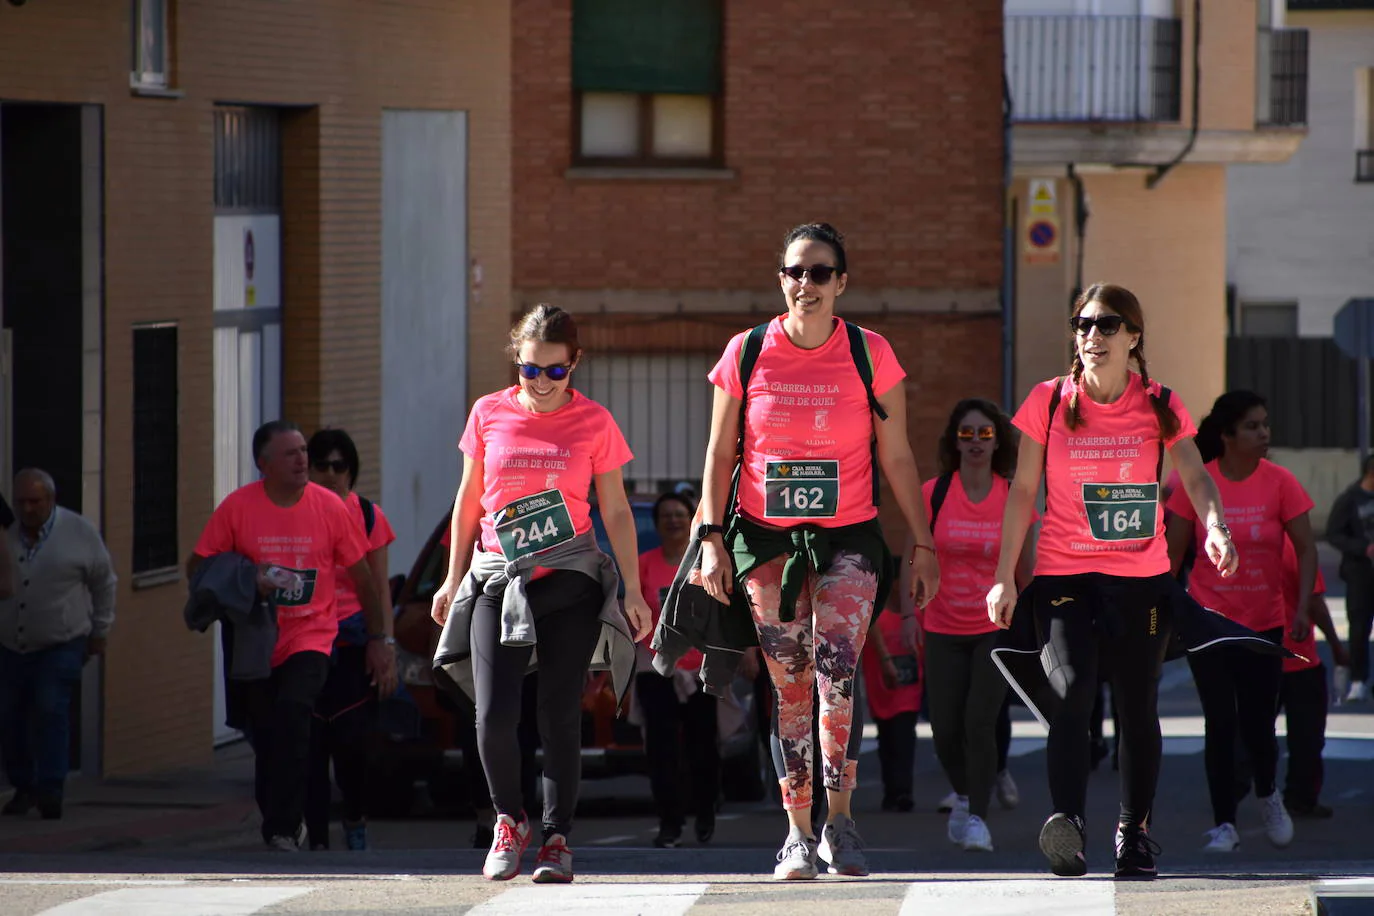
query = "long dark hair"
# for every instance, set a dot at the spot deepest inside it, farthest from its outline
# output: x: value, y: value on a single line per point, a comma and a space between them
x: 1122, y: 301
x: 328, y: 440
x: 1227, y: 413
x: 817, y: 232
x: 1003, y: 457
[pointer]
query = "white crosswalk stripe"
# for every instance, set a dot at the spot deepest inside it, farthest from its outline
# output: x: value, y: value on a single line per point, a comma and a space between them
x: 1044, y: 897
x: 594, y: 900
x: 185, y: 900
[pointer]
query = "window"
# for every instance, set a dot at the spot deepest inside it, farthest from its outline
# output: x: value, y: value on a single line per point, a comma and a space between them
x: 155, y: 448
x: 1269, y: 319
x: 647, y: 83
x: 150, y: 55
x: 1364, y: 124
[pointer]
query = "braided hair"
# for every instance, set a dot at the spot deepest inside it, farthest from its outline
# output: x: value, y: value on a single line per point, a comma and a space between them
x: 1124, y: 303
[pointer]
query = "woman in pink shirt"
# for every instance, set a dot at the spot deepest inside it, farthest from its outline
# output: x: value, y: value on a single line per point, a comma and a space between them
x: 964, y: 688
x: 804, y: 543
x: 1239, y: 689
x: 520, y: 558
x: 1102, y: 590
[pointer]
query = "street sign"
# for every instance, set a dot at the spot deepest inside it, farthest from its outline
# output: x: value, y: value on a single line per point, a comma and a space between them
x: 1353, y: 328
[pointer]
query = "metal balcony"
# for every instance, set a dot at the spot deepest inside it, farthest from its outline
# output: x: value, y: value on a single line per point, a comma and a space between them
x: 1282, y: 83
x: 1074, y: 69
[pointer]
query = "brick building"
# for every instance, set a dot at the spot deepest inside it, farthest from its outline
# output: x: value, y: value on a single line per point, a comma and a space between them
x: 216, y: 213
x: 660, y: 152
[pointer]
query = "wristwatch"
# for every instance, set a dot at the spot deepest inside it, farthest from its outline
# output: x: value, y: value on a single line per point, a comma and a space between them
x: 388, y: 640
x: 705, y: 530
x: 1221, y: 526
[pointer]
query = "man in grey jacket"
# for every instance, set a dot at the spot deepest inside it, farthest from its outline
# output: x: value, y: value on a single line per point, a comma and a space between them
x: 1350, y: 529
x: 59, y: 616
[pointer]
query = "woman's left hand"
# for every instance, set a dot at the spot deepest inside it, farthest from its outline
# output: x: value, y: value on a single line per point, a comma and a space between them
x: 925, y: 579
x: 637, y: 613
x: 1222, y: 552
x: 1302, y: 625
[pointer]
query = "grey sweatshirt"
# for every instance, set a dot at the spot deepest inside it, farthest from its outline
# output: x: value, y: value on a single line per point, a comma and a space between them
x: 66, y: 591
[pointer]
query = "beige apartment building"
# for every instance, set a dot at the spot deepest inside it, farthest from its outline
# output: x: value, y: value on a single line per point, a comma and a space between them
x: 1126, y: 116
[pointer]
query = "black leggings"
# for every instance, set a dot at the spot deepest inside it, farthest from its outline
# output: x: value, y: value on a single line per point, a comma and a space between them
x: 966, y: 700
x: 680, y: 735
x: 1091, y: 624
x: 340, y: 729
x: 1359, y: 612
x: 567, y: 609
x: 1239, y: 690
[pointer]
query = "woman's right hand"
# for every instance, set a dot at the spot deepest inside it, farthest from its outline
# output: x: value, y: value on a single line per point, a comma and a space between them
x: 443, y: 600
x: 717, y: 574
x: 1002, y: 602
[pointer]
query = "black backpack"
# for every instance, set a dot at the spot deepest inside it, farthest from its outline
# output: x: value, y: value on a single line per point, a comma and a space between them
x: 369, y: 514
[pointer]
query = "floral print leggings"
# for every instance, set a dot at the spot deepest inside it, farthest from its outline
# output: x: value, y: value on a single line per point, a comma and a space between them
x: 819, y: 648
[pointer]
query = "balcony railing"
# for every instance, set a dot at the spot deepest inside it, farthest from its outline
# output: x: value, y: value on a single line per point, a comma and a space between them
x: 1364, y: 165
x: 1094, y: 68
x: 1282, y: 72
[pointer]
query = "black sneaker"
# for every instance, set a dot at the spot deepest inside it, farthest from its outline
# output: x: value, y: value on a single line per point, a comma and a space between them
x: 1062, y: 842
x: 668, y: 837
x: 706, y: 829
x: 1316, y: 810
x: 50, y: 807
x: 1135, y: 853
x: 483, y: 835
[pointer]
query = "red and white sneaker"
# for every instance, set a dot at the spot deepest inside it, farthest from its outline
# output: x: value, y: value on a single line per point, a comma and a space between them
x: 507, y: 846
x: 554, y: 865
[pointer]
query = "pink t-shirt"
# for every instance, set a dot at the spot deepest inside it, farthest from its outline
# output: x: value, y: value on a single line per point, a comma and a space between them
x: 1102, y: 512
x: 1308, y: 647
x: 968, y: 536
x: 312, y: 539
x: 346, y: 602
x: 655, y: 577
x: 1257, y: 508
x: 808, y: 428
x: 526, y: 454
x: 882, y: 702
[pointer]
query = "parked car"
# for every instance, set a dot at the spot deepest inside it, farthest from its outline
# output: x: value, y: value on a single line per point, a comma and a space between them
x: 419, y: 739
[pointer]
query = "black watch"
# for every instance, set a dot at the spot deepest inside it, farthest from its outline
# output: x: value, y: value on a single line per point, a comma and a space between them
x: 703, y: 531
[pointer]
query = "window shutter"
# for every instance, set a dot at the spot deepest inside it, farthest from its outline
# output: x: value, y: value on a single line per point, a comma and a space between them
x: 665, y: 46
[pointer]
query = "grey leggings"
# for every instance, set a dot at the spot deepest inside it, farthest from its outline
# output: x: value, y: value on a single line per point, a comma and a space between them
x: 964, y: 695
x: 567, y: 609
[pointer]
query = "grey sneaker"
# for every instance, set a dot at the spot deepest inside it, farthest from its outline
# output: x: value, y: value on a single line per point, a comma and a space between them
x: 554, y: 865
x: 507, y: 846
x: 797, y: 858
x: 843, y: 848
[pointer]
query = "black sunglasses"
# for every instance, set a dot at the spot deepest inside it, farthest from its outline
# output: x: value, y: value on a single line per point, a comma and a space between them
x: 820, y: 273
x: 338, y: 467
x: 1106, y: 324
x: 555, y: 373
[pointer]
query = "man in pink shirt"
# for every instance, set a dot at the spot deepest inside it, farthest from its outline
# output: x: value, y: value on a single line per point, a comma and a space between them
x: 297, y: 532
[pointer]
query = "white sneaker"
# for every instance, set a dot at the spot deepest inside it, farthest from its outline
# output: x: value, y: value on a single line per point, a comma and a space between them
x: 1008, y: 796
x: 947, y: 803
x: 977, y: 837
x: 1277, y: 824
x: 507, y: 846
x: 958, y: 820
x: 1222, y: 838
x: 1358, y: 693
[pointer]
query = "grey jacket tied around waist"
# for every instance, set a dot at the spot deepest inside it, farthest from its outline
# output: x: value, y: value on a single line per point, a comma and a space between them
x: 225, y: 588
x: 491, y: 574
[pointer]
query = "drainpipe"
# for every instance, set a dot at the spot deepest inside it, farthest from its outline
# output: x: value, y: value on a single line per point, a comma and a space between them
x: 1080, y: 226
x: 1158, y: 174
x: 1008, y: 256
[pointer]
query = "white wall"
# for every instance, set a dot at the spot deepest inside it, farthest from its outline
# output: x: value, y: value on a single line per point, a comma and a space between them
x: 1303, y: 231
x: 424, y: 320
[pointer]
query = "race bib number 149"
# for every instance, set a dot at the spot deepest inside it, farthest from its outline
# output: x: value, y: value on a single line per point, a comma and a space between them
x: 533, y: 524
x: 1121, y: 512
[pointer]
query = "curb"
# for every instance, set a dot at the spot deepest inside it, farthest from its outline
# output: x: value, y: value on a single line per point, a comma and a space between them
x: 138, y: 832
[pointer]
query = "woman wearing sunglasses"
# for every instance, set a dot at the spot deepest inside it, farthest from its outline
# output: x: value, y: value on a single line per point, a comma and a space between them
x: 527, y: 585
x: 964, y: 689
x: 803, y: 542
x: 1102, y: 594
x: 1239, y: 690
x: 346, y: 707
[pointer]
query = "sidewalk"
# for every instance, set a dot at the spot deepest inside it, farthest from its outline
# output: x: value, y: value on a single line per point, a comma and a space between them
x: 123, y: 814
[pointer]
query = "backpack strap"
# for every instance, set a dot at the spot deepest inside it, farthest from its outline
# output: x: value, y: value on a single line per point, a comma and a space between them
x: 369, y: 514
x: 937, y: 497
x: 1162, y: 398
x: 1049, y: 424
x: 863, y: 362
x: 748, y: 356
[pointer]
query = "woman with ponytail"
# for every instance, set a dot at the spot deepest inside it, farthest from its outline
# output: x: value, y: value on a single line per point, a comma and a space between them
x: 1240, y: 690
x: 1102, y: 597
